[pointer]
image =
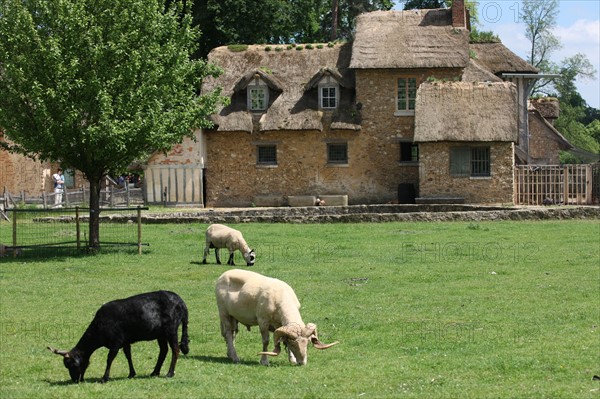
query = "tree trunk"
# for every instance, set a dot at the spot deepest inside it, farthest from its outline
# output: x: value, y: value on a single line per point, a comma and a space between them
x: 94, y: 236
x: 334, y: 20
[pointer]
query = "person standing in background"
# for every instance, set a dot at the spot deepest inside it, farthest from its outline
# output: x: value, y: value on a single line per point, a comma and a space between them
x: 59, y: 185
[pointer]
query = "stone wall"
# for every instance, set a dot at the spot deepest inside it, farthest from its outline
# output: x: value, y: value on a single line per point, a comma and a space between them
x: 22, y: 174
x: 369, y: 214
x: 435, y: 179
x: 544, y: 148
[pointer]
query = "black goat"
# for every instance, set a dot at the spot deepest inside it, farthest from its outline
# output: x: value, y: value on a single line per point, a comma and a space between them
x: 118, y: 324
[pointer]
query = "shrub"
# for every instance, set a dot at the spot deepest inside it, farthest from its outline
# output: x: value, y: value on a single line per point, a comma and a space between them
x: 236, y: 48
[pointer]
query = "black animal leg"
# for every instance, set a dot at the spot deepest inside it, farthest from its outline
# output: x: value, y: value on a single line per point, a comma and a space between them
x: 164, y: 348
x: 127, y: 351
x: 174, y: 353
x: 230, y: 261
x: 217, y: 256
x: 112, y: 353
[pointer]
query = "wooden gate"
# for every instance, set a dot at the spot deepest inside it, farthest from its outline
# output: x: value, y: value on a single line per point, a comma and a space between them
x: 174, y: 184
x: 553, y: 184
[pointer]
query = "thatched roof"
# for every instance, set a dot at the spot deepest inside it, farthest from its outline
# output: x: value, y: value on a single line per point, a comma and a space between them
x: 497, y: 58
x: 292, y: 75
x: 466, y: 111
x: 563, y: 143
x: 333, y: 72
x: 270, y: 80
x: 474, y: 72
x: 409, y: 39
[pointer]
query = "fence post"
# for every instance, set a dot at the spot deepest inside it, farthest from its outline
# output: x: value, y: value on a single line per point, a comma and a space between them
x: 66, y: 196
x: 127, y: 194
x: 112, y: 196
x: 139, y: 223
x: 77, y: 229
x: 14, y: 235
x: 566, y: 187
x: 83, y: 194
x: 44, y: 200
x: 588, y: 184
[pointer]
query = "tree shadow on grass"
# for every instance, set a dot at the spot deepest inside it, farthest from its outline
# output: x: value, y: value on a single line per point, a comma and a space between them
x: 222, y: 360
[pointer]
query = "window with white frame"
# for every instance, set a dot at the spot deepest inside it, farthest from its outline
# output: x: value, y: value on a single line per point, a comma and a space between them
x: 258, y: 95
x: 407, y: 95
x: 470, y: 162
x: 328, y: 96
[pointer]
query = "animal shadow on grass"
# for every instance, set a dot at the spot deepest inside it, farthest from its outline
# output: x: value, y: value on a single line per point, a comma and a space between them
x: 196, y: 262
x: 97, y: 380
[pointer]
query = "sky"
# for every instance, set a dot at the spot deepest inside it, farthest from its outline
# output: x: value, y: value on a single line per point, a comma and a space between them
x: 578, y: 29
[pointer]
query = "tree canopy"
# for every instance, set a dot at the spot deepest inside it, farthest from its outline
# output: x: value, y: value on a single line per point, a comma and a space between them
x: 225, y: 22
x: 97, y: 84
x: 576, y: 117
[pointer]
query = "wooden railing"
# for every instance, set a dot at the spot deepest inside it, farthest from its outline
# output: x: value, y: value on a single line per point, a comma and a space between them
x: 110, y: 197
x: 553, y: 185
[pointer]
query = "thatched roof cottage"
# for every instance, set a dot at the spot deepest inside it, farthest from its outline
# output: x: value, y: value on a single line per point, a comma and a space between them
x: 408, y: 111
x: 409, y: 103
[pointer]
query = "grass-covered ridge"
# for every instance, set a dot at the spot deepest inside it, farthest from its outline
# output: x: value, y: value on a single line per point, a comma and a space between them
x: 495, y: 309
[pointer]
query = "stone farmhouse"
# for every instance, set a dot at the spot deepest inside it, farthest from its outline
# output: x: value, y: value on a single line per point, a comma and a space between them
x: 408, y: 111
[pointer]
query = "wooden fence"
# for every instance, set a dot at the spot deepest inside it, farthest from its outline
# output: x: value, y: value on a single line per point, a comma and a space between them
x: 110, y: 197
x: 65, y: 229
x: 553, y: 185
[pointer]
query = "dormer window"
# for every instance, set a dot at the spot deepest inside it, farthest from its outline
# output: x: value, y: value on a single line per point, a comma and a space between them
x: 327, y: 82
x: 258, y: 95
x: 328, y: 95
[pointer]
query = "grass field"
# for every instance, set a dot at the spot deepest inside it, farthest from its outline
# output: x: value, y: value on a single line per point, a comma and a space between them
x: 425, y: 310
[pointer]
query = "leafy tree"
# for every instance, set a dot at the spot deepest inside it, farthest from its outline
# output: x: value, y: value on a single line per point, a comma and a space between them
x: 426, y: 4
x: 540, y: 17
x: 96, y: 84
x: 225, y: 22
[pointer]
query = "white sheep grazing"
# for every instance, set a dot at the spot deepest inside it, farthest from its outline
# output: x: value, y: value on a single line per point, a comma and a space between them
x: 255, y: 300
x: 220, y: 236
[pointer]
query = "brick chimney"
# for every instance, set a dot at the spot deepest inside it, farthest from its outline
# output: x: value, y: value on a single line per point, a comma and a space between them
x: 460, y: 15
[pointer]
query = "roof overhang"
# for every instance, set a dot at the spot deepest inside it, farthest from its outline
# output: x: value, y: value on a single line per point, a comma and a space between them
x: 530, y: 75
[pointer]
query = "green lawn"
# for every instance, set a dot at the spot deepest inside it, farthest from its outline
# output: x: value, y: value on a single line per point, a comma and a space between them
x: 495, y: 309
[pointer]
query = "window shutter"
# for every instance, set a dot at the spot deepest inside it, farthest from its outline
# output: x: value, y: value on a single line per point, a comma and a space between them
x: 460, y: 161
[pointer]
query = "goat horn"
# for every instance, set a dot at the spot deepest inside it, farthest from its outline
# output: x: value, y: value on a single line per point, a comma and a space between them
x: 320, y: 345
x: 268, y: 353
x: 58, y: 352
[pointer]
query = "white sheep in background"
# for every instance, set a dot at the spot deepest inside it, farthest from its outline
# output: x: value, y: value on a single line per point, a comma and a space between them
x: 220, y: 236
x: 255, y: 300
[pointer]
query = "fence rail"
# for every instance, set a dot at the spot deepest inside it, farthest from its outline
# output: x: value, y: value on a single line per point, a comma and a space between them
x: 110, y: 197
x: 553, y: 184
x: 35, y: 230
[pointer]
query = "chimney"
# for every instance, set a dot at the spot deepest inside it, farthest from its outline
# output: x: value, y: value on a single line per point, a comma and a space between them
x: 460, y: 15
x: 548, y: 107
